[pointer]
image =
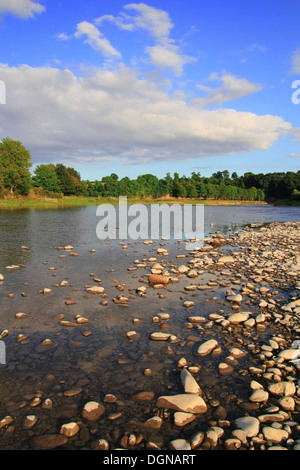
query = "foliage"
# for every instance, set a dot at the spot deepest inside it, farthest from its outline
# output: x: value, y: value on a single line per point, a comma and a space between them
x: 15, y: 161
x: 15, y: 177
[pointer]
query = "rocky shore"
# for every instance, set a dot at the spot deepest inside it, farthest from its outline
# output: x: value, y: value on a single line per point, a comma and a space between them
x: 204, y: 352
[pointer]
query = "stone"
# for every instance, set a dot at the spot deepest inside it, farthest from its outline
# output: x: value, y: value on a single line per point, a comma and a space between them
x: 274, y: 435
x: 69, y: 429
x: 225, y: 368
x: 187, y: 402
x: 158, y: 279
x: 290, y: 354
x: 259, y: 396
x: 287, y: 403
x: 159, y: 336
x: 48, y: 441
x: 239, y: 317
x: 237, y: 353
x: 249, y: 424
x: 30, y: 421
x: 226, y: 259
x: 180, y: 444
x: 282, y: 389
x: 189, y: 383
x: 182, y: 418
x: 95, y: 290
x: 92, y: 411
x: 207, y: 347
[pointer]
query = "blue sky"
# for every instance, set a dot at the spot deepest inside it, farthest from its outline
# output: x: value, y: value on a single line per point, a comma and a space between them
x: 153, y: 87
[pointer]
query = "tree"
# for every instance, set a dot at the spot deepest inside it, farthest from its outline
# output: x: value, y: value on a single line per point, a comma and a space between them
x: 15, y: 161
x: 66, y: 182
x: 46, y: 178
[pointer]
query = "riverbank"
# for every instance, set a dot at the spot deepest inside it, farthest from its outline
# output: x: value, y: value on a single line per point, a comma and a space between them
x: 202, y: 356
x: 78, y: 201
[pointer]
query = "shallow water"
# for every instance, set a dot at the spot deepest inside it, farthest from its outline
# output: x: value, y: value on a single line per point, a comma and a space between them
x: 105, y: 361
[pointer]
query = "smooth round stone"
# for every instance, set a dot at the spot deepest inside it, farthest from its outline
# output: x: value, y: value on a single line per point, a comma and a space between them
x: 206, y: 347
x: 159, y: 336
x: 249, y: 424
x: 259, y: 396
x: 282, y: 389
x: 180, y: 444
x: 92, y: 411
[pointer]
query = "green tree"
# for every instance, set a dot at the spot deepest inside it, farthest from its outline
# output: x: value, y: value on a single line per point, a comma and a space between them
x: 15, y: 161
x: 46, y: 178
x: 66, y: 182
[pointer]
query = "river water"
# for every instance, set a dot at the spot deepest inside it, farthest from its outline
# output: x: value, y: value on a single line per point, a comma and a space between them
x: 96, y: 357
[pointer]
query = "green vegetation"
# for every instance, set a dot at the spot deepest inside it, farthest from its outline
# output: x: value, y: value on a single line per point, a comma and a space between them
x: 63, y: 185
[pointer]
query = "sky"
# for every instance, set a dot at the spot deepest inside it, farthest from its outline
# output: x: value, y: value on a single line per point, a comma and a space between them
x: 153, y: 87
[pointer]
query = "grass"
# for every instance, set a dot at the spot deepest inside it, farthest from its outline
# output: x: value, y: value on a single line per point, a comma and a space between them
x: 77, y: 201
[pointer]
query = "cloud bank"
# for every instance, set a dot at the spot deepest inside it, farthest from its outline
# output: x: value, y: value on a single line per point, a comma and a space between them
x: 117, y: 114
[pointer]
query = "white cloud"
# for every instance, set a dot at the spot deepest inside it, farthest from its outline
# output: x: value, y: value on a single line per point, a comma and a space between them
x: 168, y: 56
x: 117, y: 115
x: 164, y: 53
x: 230, y: 89
x: 22, y: 8
x: 157, y: 22
x: 96, y: 39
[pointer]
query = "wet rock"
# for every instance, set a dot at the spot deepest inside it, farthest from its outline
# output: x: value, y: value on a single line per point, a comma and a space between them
x: 188, y: 402
x: 159, y: 336
x: 207, y: 347
x: 48, y: 441
x: 158, y: 279
x: 92, y: 411
x: 95, y: 289
x: 69, y: 429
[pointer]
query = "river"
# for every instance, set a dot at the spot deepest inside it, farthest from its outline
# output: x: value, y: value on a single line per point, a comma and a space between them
x: 95, y: 358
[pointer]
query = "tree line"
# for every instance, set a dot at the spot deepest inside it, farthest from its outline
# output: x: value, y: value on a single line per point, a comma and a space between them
x: 56, y: 180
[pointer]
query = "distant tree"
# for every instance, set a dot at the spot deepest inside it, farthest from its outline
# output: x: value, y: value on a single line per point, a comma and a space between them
x: 15, y: 161
x: 66, y: 182
x: 46, y: 178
